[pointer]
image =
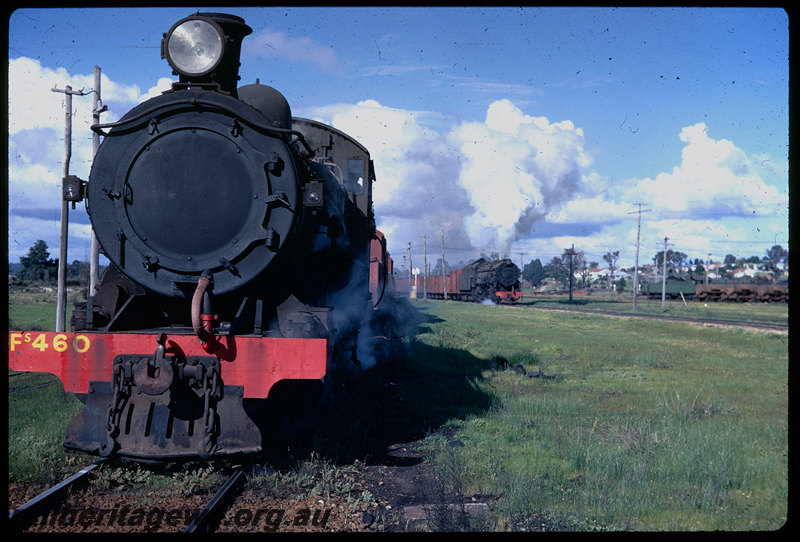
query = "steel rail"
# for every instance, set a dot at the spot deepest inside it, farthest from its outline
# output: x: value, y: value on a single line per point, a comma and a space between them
x: 33, y: 388
x: 208, y: 517
x: 23, y: 513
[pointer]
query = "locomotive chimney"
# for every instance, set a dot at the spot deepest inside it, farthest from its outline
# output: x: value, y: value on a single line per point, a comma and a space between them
x: 204, y: 49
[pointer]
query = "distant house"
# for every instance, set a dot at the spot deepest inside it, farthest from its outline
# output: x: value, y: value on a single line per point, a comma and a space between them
x: 748, y: 270
x: 597, y: 273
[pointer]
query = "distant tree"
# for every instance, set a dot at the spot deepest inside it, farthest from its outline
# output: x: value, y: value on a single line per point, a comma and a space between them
x: 730, y: 261
x: 582, y: 267
x: 556, y: 269
x: 578, y: 262
x: 675, y: 259
x: 620, y: 284
x: 37, y: 265
x: 611, y: 259
x: 533, y: 272
x: 699, y: 268
x: 777, y: 254
x: 78, y: 273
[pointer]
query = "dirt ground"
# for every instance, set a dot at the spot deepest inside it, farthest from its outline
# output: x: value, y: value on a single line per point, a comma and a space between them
x: 399, y: 484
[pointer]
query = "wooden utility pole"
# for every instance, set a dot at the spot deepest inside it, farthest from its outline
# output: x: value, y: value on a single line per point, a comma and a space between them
x: 571, y: 253
x: 664, y: 277
x: 61, y: 303
x: 425, y: 267
x: 636, y: 262
x: 444, y: 271
x: 410, y: 265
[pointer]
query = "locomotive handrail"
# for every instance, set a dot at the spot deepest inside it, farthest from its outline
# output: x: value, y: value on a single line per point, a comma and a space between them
x: 145, y: 116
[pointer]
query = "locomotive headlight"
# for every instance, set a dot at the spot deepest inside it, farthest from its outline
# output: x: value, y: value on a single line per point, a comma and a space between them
x: 194, y: 46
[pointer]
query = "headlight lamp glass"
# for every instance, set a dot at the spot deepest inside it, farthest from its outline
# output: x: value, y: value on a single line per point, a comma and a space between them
x: 195, y: 47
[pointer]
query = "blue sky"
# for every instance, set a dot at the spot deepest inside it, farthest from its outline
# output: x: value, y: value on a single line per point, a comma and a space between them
x: 516, y: 130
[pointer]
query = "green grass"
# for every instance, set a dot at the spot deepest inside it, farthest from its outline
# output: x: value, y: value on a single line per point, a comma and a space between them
x: 33, y: 308
x: 648, y: 425
x: 37, y: 420
x: 623, y: 303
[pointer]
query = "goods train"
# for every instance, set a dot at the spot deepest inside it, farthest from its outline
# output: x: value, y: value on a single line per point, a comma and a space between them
x: 742, y: 292
x: 244, y: 262
x: 478, y: 281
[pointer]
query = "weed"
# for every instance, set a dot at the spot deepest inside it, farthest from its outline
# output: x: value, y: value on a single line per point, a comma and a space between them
x: 196, y: 480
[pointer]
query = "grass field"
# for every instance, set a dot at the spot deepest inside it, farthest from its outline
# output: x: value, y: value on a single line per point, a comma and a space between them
x: 623, y: 303
x: 34, y: 308
x: 635, y: 424
x: 644, y: 426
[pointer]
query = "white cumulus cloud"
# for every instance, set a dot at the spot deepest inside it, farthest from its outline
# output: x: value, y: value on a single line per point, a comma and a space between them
x: 714, y: 178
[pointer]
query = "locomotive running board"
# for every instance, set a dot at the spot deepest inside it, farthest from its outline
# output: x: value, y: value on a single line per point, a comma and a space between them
x: 178, y: 410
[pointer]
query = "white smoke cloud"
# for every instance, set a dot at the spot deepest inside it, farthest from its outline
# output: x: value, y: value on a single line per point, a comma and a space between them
x: 514, y: 177
x: 416, y: 192
x: 515, y: 169
x: 483, y: 183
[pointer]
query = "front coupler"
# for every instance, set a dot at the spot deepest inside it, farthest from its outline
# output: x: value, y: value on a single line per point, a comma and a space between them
x: 162, y: 407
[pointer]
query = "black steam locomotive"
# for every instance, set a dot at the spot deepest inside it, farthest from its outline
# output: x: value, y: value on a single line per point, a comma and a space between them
x: 244, y: 260
x: 479, y: 281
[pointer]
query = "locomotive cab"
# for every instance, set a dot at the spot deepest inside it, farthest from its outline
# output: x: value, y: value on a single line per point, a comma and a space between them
x: 347, y: 159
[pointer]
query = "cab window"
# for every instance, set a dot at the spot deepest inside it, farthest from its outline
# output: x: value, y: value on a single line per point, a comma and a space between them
x: 355, y: 176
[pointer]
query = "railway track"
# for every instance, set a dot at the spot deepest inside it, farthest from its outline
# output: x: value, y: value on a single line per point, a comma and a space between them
x: 209, y: 516
x: 765, y: 326
x: 21, y: 516
x: 13, y: 389
x: 205, y: 521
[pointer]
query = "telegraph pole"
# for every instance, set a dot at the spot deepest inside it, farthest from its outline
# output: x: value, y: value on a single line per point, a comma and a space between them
x: 61, y: 304
x: 664, y: 277
x: 636, y: 263
x: 425, y: 267
x: 444, y: 271
x: 409, y: 261
x: 570, y: 252
x: 410, y: 265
